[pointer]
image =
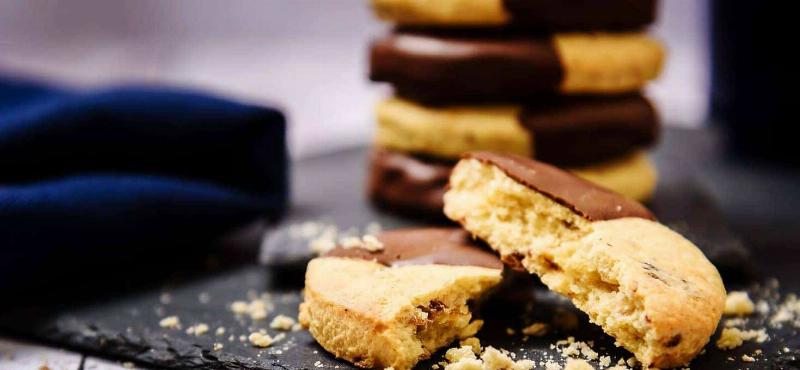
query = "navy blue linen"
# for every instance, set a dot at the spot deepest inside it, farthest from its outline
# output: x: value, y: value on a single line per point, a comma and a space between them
x: 130, y: 166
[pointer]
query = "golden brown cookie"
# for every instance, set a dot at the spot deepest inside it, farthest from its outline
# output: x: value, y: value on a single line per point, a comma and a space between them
x: 565, y: 131
x: 395, y: 306
x: 491, y: 65
x: 644, y: 284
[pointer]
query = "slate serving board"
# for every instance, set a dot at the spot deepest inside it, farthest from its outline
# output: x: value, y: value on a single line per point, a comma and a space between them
x: 113, y: 309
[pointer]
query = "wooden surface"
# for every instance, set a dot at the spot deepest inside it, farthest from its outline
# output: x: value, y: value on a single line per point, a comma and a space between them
x: 113, y: 311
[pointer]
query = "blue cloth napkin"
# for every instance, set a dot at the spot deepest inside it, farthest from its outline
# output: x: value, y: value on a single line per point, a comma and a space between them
x: 130, y: 166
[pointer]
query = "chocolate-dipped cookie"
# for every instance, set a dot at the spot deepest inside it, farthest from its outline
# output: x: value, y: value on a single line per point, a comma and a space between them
x: 644, y: 284
x: 538, y: 14
x: 405, y: 184
x: 400, y: 301
x: 565, y: 131
x: 414, y: 186
x: 449, y: 66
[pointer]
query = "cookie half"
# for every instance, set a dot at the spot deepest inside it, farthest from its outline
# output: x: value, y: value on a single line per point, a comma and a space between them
x: 561, y: 131
x: 398, y: 305
x: 415, y: 186
x: 455, y: 66
x: 645, y: 285
x: 540, y: 14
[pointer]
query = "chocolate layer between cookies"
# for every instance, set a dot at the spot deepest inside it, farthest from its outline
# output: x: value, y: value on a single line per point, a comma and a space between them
x: 586, y: 199
x: 425, y: 246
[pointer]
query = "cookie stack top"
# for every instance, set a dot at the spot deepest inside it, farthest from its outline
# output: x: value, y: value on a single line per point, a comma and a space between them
x: 555, y: 80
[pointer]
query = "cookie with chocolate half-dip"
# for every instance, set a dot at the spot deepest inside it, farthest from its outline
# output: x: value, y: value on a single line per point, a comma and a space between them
x: 566, y: 131
x: 456, y: 66
x: 406, y: 184
x: 414, y: 186
x: 538, y: 14
x: 401, y: 299
x: 644, y: 284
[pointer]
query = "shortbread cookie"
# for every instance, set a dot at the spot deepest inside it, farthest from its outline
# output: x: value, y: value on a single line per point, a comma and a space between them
x: 396, y: 306
x: 450, y: 66
x: 645, y: 285
x: 562, y: 131
x: 540, y: 14
x: 414, y: 186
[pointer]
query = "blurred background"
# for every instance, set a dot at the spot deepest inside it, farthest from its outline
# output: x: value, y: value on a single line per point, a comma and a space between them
x: 308, y: 57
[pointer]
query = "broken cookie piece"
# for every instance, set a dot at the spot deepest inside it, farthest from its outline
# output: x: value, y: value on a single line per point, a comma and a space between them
x: 395, y: 306
x: 645, y: 285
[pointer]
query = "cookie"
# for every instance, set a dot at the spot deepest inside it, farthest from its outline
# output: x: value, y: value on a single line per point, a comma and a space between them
x: 645, y: 285
x: 407, y: 185
x: 459, y: 66
x: 396, y: 306
x: 539, y: 14
x: 563, y: 131
x: 414, y: 186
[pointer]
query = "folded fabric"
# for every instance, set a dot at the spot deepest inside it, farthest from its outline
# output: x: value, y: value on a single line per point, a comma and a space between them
x: 131, y: 166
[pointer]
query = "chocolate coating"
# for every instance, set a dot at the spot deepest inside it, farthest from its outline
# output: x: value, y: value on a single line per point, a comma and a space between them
x: 425, y: 246
x: 433, y: 66
x: 586, y: 130
x: 581, y: 14
x: 402, y: 183
x: 584, y: 198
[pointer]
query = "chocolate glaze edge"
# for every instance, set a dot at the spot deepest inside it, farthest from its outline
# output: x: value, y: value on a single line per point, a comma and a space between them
x: 588, y: 200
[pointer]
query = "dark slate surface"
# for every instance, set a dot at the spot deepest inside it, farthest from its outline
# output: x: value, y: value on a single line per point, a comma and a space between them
x: 111, y: 308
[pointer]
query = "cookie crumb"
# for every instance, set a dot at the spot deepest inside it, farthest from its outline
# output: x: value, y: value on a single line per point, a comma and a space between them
x: 473, y: 343
x: 747, y: 358
x: 261, y: 340
x: 217, y: 346
x: 738, y: 303
x: 464, y: 358
x: 457, y: 354
x: 170, y: 322
x: 220, y: 331
x: 605, y: 361
x: 549, y: 365
x: 257, y: 308
x: 197, y: 329
x: 282, y: 322
x: 368, y: 242
x: 536, y: 329
x: 573, y: 364
x: 731, y: 338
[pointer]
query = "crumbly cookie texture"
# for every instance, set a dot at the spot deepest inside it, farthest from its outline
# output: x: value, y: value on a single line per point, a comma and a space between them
x: 738, y: 303
x: 608, y: 63
x: 645, y: 285
x: 377, y: 316
x: 449, y: 13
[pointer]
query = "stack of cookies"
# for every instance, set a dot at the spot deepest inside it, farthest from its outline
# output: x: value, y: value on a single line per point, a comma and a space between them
x: 555, y: 80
